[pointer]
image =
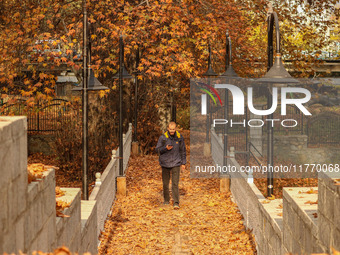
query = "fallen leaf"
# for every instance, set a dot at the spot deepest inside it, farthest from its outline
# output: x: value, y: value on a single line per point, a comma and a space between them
x: 59, y: 192
x: 211, y: 203
x: 312, y: 191
x: 312, y: 203
x: 272, y: 197
x: 60, y: 214
x: 62, y: 251
x: 334, y: 251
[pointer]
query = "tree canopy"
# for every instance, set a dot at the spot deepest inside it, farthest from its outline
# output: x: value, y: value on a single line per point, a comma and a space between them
x: 40, y: 38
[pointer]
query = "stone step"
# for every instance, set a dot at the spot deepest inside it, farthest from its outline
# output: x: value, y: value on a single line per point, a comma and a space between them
x: 274, y: 210
x: 87, y: 212
x: 65, y: 237
x: 88, y: 225
x: 300, y: 209
x: 303, y: 200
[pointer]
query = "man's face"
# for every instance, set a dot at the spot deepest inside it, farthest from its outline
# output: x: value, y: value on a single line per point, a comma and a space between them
x: 172, y: 129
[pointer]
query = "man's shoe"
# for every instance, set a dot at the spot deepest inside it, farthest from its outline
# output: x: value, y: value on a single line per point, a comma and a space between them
x: 176, y: 206
x: 165, y: 203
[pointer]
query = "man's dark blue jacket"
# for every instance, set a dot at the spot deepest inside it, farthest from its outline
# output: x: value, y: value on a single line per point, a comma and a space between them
x: 174, y: 157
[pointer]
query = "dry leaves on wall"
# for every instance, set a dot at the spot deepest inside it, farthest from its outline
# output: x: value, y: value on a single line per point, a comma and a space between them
x: 59, y: 251
x: 61, y: 205
x: 35, y: 171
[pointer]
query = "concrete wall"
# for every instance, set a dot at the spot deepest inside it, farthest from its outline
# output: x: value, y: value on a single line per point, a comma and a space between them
x: 294, y: 148
x: 40, y: 214
x: 300, y: 233
x: 13, y: 182
x: 89, y: 227
x: 216, y: 147
x: 245, y: 194
x: 292, y: 224
x: 71, y: 239
x: 269, y: 237
x: 105, y: 190
x: 28, y: 219
x: 247, y: 199
x: 329, y: 210
x: 259, y: 217
x: 28, y: 216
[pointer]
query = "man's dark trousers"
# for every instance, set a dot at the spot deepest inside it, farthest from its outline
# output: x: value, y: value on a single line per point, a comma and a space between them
x: 175, y: 171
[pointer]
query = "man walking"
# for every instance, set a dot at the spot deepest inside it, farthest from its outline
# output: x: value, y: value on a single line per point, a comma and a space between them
x: 172, y: 156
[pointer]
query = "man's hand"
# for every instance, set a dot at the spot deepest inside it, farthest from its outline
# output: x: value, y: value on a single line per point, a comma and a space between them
x: 183, y: 167
x: 169, y: 147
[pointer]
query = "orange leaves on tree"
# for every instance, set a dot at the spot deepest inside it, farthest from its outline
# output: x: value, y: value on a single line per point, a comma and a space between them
x: 173, y: 37
x: 48, y: 90
x: 69, y: 52
x: 40, y: 59
x: 43, y: 76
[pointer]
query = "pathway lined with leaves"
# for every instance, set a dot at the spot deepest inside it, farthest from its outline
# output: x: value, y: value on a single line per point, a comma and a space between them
x: 207, y: 222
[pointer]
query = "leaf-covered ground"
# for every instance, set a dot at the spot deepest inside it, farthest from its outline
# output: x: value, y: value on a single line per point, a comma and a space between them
x: 207, y: 222
x: 63, y: 179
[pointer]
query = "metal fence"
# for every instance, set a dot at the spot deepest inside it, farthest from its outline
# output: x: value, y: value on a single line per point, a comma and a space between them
x: 292, y: 113
x: 237, y: 130
x: 43, y: 117
x: 324, y: 129
x: 17, y: 108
